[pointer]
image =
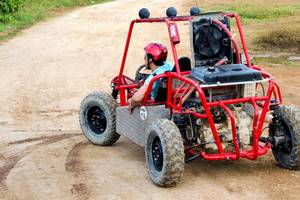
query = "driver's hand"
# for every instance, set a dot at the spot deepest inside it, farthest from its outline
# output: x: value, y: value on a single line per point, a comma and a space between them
x: 130, y: 106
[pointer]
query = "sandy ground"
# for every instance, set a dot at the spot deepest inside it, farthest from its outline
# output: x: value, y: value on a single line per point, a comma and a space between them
x: 47, y: 71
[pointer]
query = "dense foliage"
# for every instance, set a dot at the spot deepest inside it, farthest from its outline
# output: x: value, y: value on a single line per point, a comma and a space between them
x: 8, y: 7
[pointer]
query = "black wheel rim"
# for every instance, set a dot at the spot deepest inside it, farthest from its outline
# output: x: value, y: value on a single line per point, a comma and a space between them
x: 157, y: 154
x: 97, y: 120
x: 284, y: 130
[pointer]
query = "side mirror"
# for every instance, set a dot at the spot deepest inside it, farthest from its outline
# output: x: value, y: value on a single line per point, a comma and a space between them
x: 174, y: 34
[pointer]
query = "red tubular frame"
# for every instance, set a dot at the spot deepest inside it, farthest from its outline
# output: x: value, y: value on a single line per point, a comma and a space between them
x: 175, y: 96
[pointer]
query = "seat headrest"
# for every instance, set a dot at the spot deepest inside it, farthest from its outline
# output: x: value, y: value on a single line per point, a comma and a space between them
x: 184, y: 64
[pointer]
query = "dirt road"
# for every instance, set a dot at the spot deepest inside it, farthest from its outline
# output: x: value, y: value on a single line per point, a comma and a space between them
x: 47, y: 71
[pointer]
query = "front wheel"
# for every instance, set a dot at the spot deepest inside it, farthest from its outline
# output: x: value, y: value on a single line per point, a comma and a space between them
x: 164, y: 152
x: 284, y: 133
x: 98, y: 118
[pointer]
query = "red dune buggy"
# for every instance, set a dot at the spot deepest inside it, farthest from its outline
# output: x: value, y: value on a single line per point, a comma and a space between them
x: 213, y: 105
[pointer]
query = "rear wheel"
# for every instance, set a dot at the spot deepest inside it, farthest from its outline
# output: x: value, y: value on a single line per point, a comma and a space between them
x: 98, y: 118
x: 285, y: 137
x: 164, y: 153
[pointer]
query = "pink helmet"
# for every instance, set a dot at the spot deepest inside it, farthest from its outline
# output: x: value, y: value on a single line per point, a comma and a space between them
x: 158, y: 52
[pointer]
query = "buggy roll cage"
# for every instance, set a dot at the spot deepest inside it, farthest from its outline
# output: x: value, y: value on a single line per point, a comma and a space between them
x: 176, y: 96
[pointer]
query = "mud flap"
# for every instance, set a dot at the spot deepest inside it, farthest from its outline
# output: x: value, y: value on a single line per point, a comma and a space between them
x: 133, y: 126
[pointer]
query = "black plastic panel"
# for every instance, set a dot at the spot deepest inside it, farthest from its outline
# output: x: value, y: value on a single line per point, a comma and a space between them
x: 226, y: 74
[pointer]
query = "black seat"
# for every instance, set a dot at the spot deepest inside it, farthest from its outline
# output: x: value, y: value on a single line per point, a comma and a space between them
x: 162, y: 91
x: 184, y: 64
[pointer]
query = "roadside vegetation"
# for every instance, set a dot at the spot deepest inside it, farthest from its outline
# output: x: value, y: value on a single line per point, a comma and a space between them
x: 261, y: 11
x: 16, y: 15
x: 281, y: 38
x: 276, y: 60
x: 284, y: 40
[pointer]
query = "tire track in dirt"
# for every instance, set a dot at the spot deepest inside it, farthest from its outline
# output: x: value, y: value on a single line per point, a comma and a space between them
x: 12, y: 161
x: 74, y: 166
x: 80, y: 191
x: 45, y: 139
x: 2, y: 157
x: 73, y: 162
x: 8, y: 166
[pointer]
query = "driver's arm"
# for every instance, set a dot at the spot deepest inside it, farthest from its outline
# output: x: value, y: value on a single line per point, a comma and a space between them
x: 138, y: 97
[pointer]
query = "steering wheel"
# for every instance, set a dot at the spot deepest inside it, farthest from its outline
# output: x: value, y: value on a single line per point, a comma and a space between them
x: 139, y: 75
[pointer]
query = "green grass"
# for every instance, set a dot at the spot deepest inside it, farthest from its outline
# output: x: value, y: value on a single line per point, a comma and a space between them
x: 280, y: 38
x: 275, y: 60
x: 261, y: 11
x: 33, y: 11
x: 282, y: 60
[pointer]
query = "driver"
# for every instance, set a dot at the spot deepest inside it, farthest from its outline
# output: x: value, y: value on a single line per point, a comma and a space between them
x: 155, y: 60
